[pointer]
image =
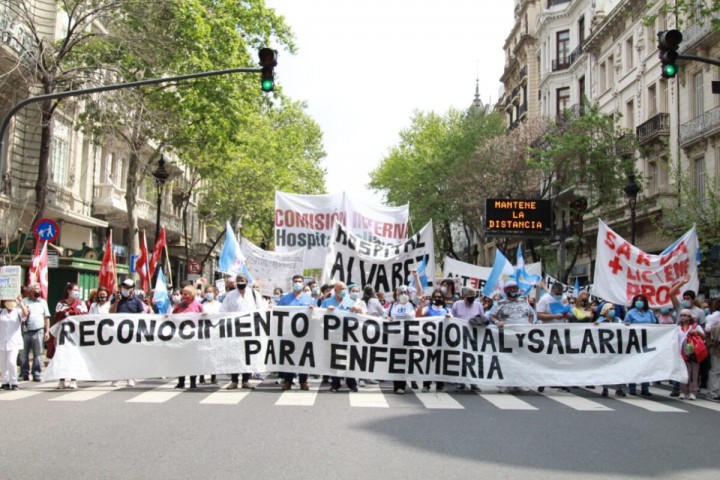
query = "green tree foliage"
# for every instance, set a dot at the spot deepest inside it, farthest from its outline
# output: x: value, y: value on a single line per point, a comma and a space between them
x: 424, y: 168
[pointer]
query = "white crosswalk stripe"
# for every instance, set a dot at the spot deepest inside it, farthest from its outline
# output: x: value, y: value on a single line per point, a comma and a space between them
x: 299, y: 398
x: 161, y: 394
x: 650, y: 405
x: 85, y: 394
x: 438, y: 400
x: 576, y: 402
x: 697, y: 403
x: 225, y: 397
x: 369, y: 397
x: 18, y: 395
x: 504, y: 401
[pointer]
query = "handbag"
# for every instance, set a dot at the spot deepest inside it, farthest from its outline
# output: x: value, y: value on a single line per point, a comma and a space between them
x: 694, y: 349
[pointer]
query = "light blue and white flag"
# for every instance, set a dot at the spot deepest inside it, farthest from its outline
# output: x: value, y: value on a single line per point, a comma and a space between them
x: 232, y: 260
x: 502, y: 271
x: 160, y: 295
x: 576, y: 288
x: 525, y: 280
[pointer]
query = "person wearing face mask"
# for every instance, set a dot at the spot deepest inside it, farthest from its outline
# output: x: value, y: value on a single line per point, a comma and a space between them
x: 447, y: 288
x: 175, y: 297
x: 687, y: 327
x: 296, y: 298
x: 666, y: 316
x: 607, y: 315
x: 401, y: 309
x: 643, y: 314
x: 243, y: 299
x: 468, y: 308
x: 435, y: 308
x: 230, y: 285
x: 36, y: 330
x: 126, y: 301
x: 582, y: 312
x: 210, y: 303
x: 101, y: 304
x: 69, y: 305
x: 338, y: 302
x: 552, y: 301
x: 11, y: 318
x: 277, y: 295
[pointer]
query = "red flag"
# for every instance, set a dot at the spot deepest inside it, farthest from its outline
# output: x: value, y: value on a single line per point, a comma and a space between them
x: 141, y: 265
x: 108, y: 278
x: 39, y: 269
x: 160, y: 244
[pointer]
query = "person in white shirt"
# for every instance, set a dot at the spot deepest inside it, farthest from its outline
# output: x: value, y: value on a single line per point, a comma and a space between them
x: 11, y: 341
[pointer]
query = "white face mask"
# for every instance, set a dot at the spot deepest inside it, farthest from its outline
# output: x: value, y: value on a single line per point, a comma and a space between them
x: 176, y: 298
x: 125, y: 292
x: 403, y: 299
x: 209, y: 296
x: 443, y: 289
x: 75, y: 294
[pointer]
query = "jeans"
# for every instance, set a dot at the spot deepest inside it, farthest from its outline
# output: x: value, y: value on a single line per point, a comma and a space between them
x: 32, y: 340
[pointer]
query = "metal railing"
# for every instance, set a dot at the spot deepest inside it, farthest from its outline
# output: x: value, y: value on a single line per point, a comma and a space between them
x: 562, y: 64
x: 659, y: 125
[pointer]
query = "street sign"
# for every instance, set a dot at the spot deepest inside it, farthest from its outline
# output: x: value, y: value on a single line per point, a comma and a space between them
x: 53, y: 258
x: 46, y: 229
x: 194, y: 267
x: 133, y: 259
x: 518, y: 217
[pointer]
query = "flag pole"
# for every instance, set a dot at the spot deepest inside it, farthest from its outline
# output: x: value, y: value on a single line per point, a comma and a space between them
x: 167, y: 261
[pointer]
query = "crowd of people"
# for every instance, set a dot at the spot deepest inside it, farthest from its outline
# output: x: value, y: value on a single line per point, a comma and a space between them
x: 25, y: 321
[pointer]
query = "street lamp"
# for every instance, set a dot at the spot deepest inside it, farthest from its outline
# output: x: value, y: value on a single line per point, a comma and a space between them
x: 161, y: 175
x: 631, y: 190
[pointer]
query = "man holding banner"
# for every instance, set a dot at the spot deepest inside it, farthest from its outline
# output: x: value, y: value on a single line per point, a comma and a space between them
x: 296, y: 298
x: 340, y: 301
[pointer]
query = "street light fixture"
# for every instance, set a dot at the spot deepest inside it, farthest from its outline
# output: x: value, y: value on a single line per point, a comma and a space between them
x: 161, y: 175
x: 631, y: 190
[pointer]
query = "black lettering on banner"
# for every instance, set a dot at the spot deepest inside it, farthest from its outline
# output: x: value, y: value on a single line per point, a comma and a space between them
x: 262, y: 322
x: 307, y: 357
x: 432, y: 361
x: 633, y: 342
x: 371, y: 325
x: 568, y: 343
x: 287, y: 348
x: 376, y: 357
x: 167, y: 325
x: 452, y: 335
x: 397, y: 276
x: 645, y: 347
x: 606, y: 336
x: 409, y: 332
x: 299, y: 332
x: 337, y: 356
x: 468, y: 362
x: 536, y: 343
x: 252, y: 347
x: 208, y: 324
x: 520, y: 337
x: 488, y: 339
x: 381, y: 282
x: 126, y: 331
x: 588, y: 342
x: 242, y: 329
x: 390, y: 328
x: 181, y: 329
x: 358, y: 357
x: 470, y: 337
x: 503, y: 348
x: 350, y: 324
x: 414, y: 364
x: 144, y: 331
x: 619, y: 341
x: 270, y: 353
x: 495, y: 368
x: 102, y: 340
x: 280, y: 317
x: 66, y: 330
x: 397, y: 360
x: 367, y: 280
x: 349, y: 272
x: 341, y: 235
x: 555, y: 341
x: 85, y: 331
x: 429, y: 330
x: 450, y: 361
x: 441, y: 333
x: 330, y: 322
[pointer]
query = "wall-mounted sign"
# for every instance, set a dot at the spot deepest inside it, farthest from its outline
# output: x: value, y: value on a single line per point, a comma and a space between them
x: 530, y: 218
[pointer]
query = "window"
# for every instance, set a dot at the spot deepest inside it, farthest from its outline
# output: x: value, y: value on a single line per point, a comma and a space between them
x: 651, y: 36
x: 563, y: 100
x: 629, y: 54
x: 717, y: 161
x: 652, y: 172
x: 698, y: 108
x: 652, y: 101
x: 630, y: 115
x: 562, y: 53
x: 581, y: 30
x: 603, y: 77
x: 60, y: 152
x: 610, y: 71
x: 662, y: 96
x: 699, y: 178
x: 581, y: 92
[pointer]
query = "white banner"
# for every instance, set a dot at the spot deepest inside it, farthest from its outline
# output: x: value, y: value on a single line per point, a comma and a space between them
x: 351, y: 259
x: 316, y: 341
x: 272, y: 269
x: 475, y: 276
x: 622, y: 270
x: 567, y: 289
x: 306, y: 222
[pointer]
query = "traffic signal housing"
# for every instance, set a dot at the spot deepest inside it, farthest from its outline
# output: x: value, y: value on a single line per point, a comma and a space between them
x: 668, y: 43
x: 268, y: 62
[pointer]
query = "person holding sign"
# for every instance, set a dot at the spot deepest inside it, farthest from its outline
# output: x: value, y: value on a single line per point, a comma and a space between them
x: 341, y: 301
x: 640, y: 313
x: 11, y: 341
x: 37, y: 330
x: 513, y: 310
x: 436, y: 308
x: 582, y: 312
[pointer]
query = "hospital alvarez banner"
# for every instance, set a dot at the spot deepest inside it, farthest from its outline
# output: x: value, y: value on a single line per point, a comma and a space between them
x: 351, y: 259
x: 306, y: 222
x: 323, y: 342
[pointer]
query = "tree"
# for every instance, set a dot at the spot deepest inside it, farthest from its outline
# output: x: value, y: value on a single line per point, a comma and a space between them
x: 423, y: 168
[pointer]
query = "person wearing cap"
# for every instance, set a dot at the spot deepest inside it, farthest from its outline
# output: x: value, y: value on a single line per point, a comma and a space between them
x: 512, y: 310
x: 545, y: 305
x: 125, y: 300
x: 607, y: 315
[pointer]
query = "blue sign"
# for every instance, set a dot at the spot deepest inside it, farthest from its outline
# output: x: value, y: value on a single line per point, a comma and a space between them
x: 46, y: 229
x: 133, y: 259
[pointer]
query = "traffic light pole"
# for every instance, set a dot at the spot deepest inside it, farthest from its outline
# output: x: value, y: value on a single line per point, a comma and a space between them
x: 106, y: 88
x: 695, y: 58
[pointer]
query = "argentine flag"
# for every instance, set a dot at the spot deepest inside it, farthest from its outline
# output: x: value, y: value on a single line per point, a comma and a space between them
x: 524, y: 280
x: 160, y: 296
x: 232, y: 260
x: 502, y: 271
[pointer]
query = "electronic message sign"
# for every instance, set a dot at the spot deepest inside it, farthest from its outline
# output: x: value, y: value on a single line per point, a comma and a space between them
x: 528, y: 218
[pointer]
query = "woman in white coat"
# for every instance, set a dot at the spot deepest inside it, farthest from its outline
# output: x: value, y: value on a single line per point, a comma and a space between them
x: 11, y: 342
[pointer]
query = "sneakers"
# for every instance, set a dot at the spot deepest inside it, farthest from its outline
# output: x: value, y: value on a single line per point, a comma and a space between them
x: 425, y: 389
x: 474, y: 388
x: 691, y: 396
x: 400, y: 391
x: 26, y: 378
x: 232, y: 386
x: 180, y: 385
x: 131, y: 383
x: 73, y: 385
x: 304, y: 386
x: 246, y: 386
x: 334, y: 390
x: 646, y: 393
x: 353, y: 389
x: 361, y: 383
x: 620, y: 393
x: 684, y: 396
x: 604, y: 392
x: 60, y: 385
x: 5, y: 386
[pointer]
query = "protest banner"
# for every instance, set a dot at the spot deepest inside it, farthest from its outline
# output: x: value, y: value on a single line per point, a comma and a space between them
x: 351, y: 259
x: 306, y: 222
x: 567, y: 289
x: 322, y: 342
x: 476, y: 276
x: 10, y: 282
x: 275, y: 269
x: 622, y: 270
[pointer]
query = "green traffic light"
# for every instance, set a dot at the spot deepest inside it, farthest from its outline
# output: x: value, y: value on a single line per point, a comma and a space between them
x: 669, y: 70
x: 267, y: 85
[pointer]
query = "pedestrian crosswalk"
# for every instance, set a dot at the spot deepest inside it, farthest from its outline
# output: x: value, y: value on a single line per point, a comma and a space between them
x: 157, y: 391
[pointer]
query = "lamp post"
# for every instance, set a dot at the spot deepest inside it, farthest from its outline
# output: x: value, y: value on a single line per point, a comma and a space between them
x: 161, y: 175
x: 631, y: 190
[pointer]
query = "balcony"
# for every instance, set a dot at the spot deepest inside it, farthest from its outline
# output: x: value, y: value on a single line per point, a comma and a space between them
x: 700, y: 127
x: 515, y: 94
x: 655, y: 128
x: 575, y: 54
x: 694, y: 35
x: 522, y: 109
x: 562, y: 64
x: 109, y: 201
x: 523, y: 72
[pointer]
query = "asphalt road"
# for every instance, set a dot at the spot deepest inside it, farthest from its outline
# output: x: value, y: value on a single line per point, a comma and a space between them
x: 155, y: 431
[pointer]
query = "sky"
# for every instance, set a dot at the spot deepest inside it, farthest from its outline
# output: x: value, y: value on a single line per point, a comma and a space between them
x: 364, y: 68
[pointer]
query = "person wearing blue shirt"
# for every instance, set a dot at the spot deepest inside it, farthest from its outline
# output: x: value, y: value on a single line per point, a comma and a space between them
x: 640, y: 313
x: 337, y: 301
x: 296, y: 298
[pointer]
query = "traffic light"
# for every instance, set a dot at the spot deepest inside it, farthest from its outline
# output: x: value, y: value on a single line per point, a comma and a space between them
x: 268, y: 61
x: 668, y: 43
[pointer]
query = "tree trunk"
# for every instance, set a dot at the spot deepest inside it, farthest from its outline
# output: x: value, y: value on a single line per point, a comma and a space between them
x: 131, y: 188
x: 46, y: 132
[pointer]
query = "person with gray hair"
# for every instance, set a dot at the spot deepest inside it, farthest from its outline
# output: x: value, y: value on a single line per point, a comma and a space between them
x: 36, y: 330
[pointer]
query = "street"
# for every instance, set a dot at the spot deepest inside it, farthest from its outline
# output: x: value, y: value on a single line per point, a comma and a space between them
x: 156, y: 431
